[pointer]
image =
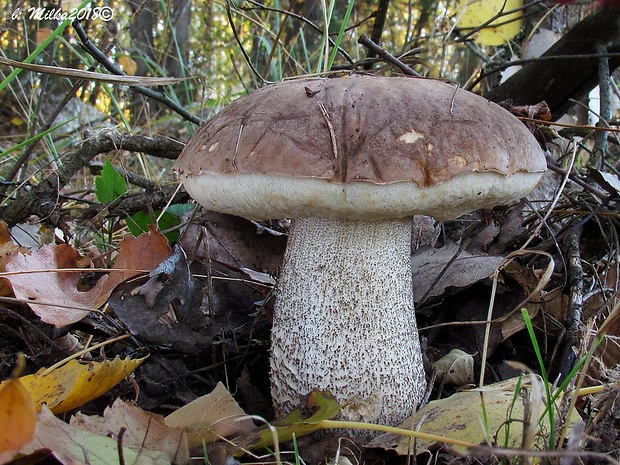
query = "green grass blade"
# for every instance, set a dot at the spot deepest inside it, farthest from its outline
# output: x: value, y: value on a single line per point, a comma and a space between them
x: 550, y: 410
x: 34, y: 138
x: 341, y: 32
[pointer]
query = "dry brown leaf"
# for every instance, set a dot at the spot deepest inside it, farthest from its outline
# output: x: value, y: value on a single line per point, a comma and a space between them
x: 5, y: 234
x: 143, y: 430
x: 60, y: 301
x: 54, y: 295
x: 7, y: 250
x: 234, y: 241
x: 73, y: 445
x: 211, y: 417
x: 144, y: 252
x: 466, y: 269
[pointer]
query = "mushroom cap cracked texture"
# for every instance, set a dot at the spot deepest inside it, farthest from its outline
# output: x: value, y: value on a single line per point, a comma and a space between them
x: 361, y: 148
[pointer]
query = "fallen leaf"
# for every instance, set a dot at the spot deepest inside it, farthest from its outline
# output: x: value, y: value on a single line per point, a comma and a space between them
x: 211, y: 417
x: 7, y: 250
x: 136, y: 254
x: 73, y: 445
x: 460, y: 417
x: 73, y: 384
x: 60, y: 301
x: 455, y: 368
x: 17, y: 418
x: 144, y: 430
x: 234, y: 241
x: 53, y: 294
x: 5, y: 234
x: 163, y: 307
x: 436, y: 270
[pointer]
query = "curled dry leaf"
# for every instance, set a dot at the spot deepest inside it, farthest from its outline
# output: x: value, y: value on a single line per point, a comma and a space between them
x: 430, y: 265
x: 455, y: 368
x: 54, y: 295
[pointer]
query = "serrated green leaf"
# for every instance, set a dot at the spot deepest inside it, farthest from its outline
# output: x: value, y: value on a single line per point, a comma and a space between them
x: 110, y: 185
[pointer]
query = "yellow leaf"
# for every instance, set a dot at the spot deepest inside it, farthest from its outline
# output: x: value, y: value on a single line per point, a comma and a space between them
x: 74, y: 383
x: 16, y: 121
x: 128, y: 64
x: 17, y: 416
x: 475, y: 13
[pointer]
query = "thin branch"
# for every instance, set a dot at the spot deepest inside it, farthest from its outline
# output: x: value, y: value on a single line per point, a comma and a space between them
x: 386, y: 56
x: 377, y: 27
x: 600, y: 138
x: 42, y: 199
x: 240, y: 45
x: 92, y: 76
x: 495, y: 66
x: 573, y: 320
x: 98, y: 55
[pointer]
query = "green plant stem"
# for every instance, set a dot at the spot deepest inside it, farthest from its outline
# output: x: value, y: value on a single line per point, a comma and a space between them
x: 336, y: 424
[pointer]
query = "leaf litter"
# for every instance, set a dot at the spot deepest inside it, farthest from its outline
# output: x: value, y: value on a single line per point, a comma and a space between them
x: 171, y: 277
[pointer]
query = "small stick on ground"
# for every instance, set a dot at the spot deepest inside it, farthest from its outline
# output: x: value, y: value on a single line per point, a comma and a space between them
x: 575, y: 304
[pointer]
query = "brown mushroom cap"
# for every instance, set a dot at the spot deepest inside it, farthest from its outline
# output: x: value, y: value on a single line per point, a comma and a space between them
x: 349, y: 147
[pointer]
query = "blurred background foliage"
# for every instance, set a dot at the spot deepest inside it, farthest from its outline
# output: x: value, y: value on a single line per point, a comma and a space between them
x: 228, y: 48
x: 221, y: 49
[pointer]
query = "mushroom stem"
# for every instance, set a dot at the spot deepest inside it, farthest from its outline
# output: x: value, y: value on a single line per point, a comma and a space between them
x: 344, y: 319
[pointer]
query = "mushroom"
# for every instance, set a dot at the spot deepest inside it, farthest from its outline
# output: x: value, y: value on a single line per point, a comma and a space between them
x: 350, y: 160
